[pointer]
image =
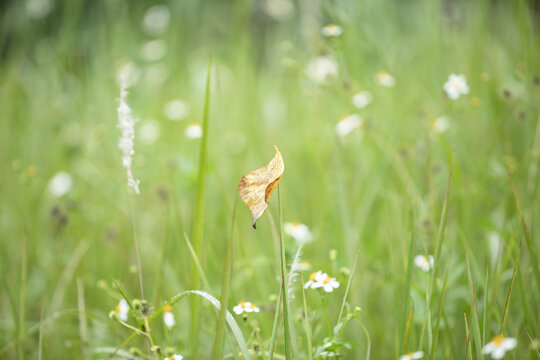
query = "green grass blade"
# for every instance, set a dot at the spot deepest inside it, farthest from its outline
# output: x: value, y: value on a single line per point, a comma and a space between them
x: 273, y: 338
x: 22, y: 300
x: 344, y: 302
x: 217, y: 347
x: 406, y: 291
x: 306, y: 323
x: 196, y: 262
x: 439, y: 315
x: 198, y: 221
x: 285, y: 303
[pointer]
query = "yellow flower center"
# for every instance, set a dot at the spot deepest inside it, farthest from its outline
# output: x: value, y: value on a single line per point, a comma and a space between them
x: 172, y: 357
x: 253, y: 306
x: 167, y: 308
x: 296, y: 223
x: 117, y: 309
x: 312, y: 276
x: 426, y: 258
x: 327, y: 280
x: 497, y: 340
x: 242, y: 304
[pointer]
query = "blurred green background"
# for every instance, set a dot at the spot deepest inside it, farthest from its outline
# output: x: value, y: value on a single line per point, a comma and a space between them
x: 363, y: 194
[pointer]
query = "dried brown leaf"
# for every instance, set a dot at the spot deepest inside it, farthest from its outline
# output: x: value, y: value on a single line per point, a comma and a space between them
x: 256, y: 187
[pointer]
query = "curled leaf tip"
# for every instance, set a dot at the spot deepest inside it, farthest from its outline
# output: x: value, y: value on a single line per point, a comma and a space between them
x: 256, y: 187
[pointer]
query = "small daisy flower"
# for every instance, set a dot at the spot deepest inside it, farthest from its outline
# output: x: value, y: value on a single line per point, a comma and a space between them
x: 174, y: 357
x: 321, y: 280
x: 122, y: 310
x: 412, y: 355
x: 168, y: 317
x: 362, y: 99
x: 349, y: 124
x: 298, y: 231
x: 194, y: 131
x: 331, y: 30
x: 440, y: 124
x: 385, y: 79
x: 498, y: 346
x: 245, y: 306
x: 322, y: 69
x: 60, y: 184
x: 456, y: 86
x: 424, y: 262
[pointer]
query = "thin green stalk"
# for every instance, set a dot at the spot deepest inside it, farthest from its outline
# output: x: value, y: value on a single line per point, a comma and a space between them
x: 198, y: 221
x: 439, y: 315
x: 22, y: 300
x: 306, y: 324
x: 217, y: 347
x: 285, y: 303
x: 273, y: 338
x: 327, y: 318
x: 406, y: 291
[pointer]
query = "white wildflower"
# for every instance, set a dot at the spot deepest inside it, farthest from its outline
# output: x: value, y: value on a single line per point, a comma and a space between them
x: 60, y: 184
x: 300, y: 232
x: 122, y: 310
x: 168, y: 317
x: 498, y: 346
x: 349, y: 124
x: 245, y: 306
x: 331, y: 30
x: 321, y: 280
x: 176, y: 110
x: 456, y: 86
x: 174, y: 357
x: 362, y: 99
x: 156, y: 19
x: 424, y: 262
x: 322, y: 69
x: 385, y: 79
x: 412, y: 355
x: 126, y: 125
x: 194, y: 131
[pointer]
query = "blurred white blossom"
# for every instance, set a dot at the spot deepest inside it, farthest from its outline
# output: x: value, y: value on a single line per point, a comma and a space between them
x: 39, y: 8
x: 245, y: 306
x: 174, y: 357
x: 412, y: 356
x: 60, y: 184
x: 126, y: 126
x: 424, y: 262
x: 279, y: 9
x: 176, y: 110
x: 321, y: 280
x: 153, y: 50
x: 456, y: 86
x: 156, y: 19
x: 149, y: 131
x: 122, y: 310
x: 362, y: 99
x: 440, y: 124
x: 498, y: 346
x: 322, y: 69
x: 331, y: 30
x: 300, y: 232
x: 194, y: 131
x: 168, y: 317
x: 385, y: 79
x: 349, y: 124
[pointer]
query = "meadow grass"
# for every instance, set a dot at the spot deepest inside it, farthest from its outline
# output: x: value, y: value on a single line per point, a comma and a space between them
x: 400, y: 185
